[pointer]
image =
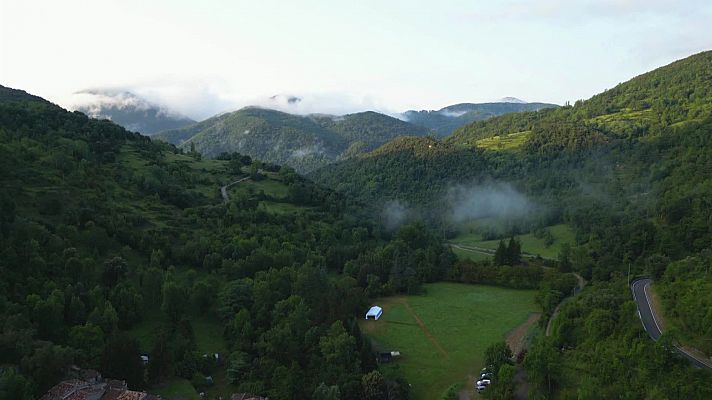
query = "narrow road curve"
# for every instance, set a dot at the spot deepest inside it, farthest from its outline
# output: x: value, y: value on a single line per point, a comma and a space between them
x: 577, y: 290
x: 223, y: 189
x: 651, y: 322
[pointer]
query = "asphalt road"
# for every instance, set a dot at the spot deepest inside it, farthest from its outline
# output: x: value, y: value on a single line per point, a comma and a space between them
x: 651, y: 323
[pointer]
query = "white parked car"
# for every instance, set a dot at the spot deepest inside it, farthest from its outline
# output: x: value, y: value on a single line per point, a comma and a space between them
x: 480, y: 388
x: 483, y: 382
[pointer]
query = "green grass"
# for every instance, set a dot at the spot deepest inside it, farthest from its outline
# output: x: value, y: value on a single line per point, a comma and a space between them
x: 270, y: 187
x: 177, y: 389
x: 470, y: 255
x: 530, y: 244
x: 209, y: 336
x: 510, y: 141
x: 623, y: 120
x: 281, y: 208
x: 462, y: 319
x: 145, y: 331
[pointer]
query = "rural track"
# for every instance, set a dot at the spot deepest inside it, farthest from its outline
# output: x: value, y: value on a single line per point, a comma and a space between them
x: 223, y: 189
x: 490, y: 252
x: 577, y: 290
x: 425, y: 330
x: 651, y: 322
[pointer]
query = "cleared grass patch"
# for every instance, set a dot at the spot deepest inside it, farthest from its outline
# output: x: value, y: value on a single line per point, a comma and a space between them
x: 531, y: 244
x: 471, y: 255
x: 177, y: 389
x: 510, y: 141
x: 443, y: 334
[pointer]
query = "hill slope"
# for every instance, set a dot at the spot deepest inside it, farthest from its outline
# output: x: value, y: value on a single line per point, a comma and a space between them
x: 114, y: 245
x: 448, y: 119
x: 302, y: 142
x: 668, y: 96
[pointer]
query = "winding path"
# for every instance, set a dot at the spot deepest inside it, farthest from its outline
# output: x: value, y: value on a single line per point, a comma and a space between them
x: 651, y: 321
x: 223, y: 189
x: 490, y: 252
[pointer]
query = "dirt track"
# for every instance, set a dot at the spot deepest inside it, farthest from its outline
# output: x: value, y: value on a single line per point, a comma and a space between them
x: 424, y: 328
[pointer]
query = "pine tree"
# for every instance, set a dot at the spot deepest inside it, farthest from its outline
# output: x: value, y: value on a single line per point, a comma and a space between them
x: 500, y: 256
x: 513, y: 252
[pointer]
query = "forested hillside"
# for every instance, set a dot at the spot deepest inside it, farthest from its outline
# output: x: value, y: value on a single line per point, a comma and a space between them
x: 302, y: 142
x: 448, y: 119
x: 113, y: 246
x: 630, y: 170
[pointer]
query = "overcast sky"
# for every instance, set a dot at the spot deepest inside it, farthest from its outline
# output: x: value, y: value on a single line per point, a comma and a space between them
x: 202, y: 57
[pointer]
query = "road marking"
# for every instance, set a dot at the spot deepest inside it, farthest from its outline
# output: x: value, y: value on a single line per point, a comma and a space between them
x: 652, y: 312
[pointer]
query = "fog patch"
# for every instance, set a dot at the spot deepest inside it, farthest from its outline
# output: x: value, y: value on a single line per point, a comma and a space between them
x: 307, y: 151
x: 496, y: 200
x: 394, y: 214
x: 452, y: 114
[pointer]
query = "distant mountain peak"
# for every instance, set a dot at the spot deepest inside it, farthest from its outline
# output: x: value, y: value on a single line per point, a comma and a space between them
x: 128, y: 110
x: 511, y: 100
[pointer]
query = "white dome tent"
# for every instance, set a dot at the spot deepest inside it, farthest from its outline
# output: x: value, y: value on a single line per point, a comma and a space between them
x: 375, y: 312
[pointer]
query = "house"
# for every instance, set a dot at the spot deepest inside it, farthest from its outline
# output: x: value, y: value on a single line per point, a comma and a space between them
x: 94, y: 388
x: 375, y: 312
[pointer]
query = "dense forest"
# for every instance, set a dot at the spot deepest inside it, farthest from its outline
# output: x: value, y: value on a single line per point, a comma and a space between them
x: 301, y: 142
x: 104, y: 231
x: 630, y: 170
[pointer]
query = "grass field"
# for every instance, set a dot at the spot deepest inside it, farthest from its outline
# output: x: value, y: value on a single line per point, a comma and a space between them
x: 443, y: 334
x: 511, y: 141
x: 530, y: 244
x: 470, y: 255
x: 177, y: 389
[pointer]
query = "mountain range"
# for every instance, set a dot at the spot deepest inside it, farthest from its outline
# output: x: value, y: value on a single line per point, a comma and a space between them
x: 445, y: 120
x: 305, y: 142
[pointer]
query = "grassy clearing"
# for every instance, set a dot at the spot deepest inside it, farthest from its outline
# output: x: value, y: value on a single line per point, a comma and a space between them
x: 623, y: 120
x: 209, y: 336
x: 470, y: 255
x: 510, y: 141
x: 270, y: 187
x: 444, y: 333
x: 177, y: 389
x: 530, y: 243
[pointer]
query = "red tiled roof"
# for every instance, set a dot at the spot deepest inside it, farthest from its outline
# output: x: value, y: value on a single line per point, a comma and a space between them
x: 131, y: 395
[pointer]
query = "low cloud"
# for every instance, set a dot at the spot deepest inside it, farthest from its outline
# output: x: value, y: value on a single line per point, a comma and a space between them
x: 394, y: 214
x: 496, y: 200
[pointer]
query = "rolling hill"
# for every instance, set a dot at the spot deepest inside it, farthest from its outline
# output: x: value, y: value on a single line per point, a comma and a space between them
x: 302, y: 142
x: 448, y: 119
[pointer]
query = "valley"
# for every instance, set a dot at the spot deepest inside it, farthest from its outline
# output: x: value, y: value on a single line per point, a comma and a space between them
x: 236, y: 257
